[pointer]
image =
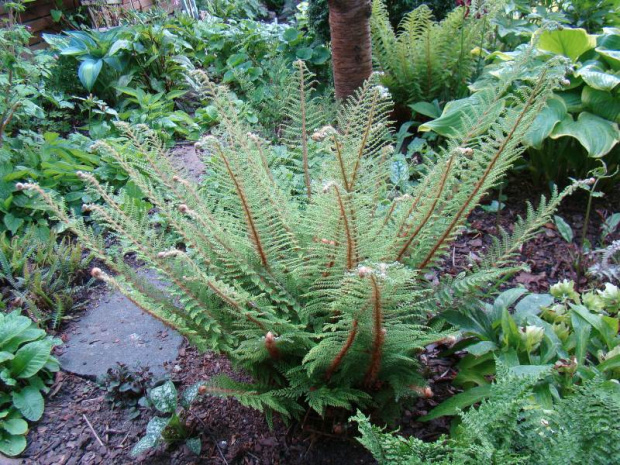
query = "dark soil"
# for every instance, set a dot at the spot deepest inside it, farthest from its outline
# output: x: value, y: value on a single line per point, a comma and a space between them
x: 232, y: 433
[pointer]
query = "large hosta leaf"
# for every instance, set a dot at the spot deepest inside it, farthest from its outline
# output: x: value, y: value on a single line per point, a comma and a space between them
x: 88, y: 72
x: 597, y: 135
x: 597, y: 77
x: 568, y: 42
x: 459, y: 115
x: 547, y: 119
x: 608, y: 46
x: 601, y: 103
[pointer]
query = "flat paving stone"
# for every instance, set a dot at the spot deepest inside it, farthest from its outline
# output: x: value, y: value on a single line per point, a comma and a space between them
x: 116, y: 330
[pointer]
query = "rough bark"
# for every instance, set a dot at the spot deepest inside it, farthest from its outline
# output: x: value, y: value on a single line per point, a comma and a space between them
x: 349, y: 24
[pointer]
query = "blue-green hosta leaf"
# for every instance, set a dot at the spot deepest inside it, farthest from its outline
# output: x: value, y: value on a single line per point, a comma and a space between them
x: 571, y: 43
x: 458, y: 115
x: 164, y: 397
x: 597, y: 135
x: 612, y: 57
x: 554, y: 112
x: 572, y: 100
x: 597, y: 77
x: 608, y: 46
x: 88, y: 72
x: 601, y: 103
x: 121, y: 44
x: 29, y: 402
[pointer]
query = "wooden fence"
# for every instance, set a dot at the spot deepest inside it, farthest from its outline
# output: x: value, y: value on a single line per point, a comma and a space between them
x: 38, y: 15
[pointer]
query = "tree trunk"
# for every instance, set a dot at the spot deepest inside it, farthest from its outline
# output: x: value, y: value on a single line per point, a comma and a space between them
x: 349, y: 24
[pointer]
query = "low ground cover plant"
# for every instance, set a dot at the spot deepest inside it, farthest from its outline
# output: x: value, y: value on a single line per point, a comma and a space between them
x: 509, y: 428
x: 26, y: 368
x: 47, y: 277
x: 318, y: 295
x: 572, y: 337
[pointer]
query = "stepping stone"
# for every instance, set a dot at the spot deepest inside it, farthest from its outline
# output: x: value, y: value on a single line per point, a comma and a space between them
x: 116, y: 330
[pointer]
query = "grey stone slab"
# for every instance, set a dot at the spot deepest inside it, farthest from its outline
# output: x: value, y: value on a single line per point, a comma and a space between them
x: 115, y: 330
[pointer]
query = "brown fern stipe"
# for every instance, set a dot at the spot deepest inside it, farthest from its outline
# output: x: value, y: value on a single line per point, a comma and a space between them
x: 379, y: 335
x: 345, y: 348
x: 351, y: 50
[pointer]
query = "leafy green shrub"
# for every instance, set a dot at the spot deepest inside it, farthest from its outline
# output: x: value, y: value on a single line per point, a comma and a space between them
x: 234, y: 9
x: 52, y: 162
x: 25, y: 98
x: 174, y: 428
x: 427, y: 60
x: 318, y: 296
x: 46, y: 276
x: 571, y: 337
x: 26, y: 368
x: 579, y: 126
x: 510, y: 428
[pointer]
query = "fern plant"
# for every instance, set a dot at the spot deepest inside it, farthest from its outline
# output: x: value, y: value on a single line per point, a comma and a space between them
x: 428, y: 60
x: 511, y: 428
x: 318, y: 295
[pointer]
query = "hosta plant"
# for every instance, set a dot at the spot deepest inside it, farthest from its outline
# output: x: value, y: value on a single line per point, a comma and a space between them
x: 320, y: 296
x: 579, y: 125
x: 573, y: 337
x: 26, y: 368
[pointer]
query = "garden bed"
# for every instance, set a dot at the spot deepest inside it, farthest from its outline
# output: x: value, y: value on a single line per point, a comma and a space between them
x: 232, y: 433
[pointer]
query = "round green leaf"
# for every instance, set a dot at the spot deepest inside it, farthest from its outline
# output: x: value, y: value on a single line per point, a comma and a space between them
x: 29, y: 402
x: 12, y: 445
x: 88, y: 72
x: 15, y: 426
x: 568, y: 42
x: 597, y: 135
